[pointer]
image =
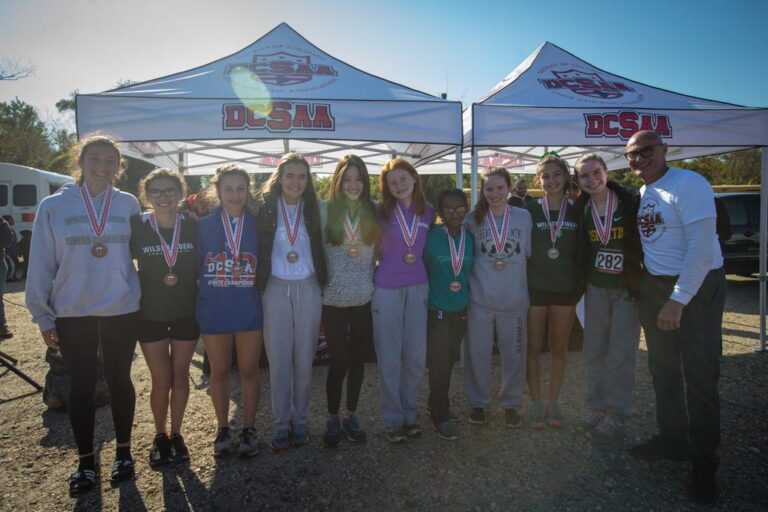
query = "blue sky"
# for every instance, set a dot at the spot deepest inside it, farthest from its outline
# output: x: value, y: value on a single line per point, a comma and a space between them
x: 713, y: 49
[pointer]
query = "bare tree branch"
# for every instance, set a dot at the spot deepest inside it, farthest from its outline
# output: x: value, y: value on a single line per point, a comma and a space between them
x: 12, y: 69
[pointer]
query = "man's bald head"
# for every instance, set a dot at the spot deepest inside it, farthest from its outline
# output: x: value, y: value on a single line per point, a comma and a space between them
x: 647, y: 155
x: 645, y: 138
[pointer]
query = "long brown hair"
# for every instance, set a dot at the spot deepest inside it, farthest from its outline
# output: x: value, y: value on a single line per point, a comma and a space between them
x: 334, y: 229
x: 388, y: 202
x: 481, y: 208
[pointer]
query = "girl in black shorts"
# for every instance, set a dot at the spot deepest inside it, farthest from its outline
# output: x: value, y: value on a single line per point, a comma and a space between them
x: 552, y: 284
x: 163, y: 241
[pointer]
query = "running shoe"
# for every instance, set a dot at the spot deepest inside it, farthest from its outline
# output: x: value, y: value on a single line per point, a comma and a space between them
x: 412, y: 430
x: 536, y: 415
x: 160, y: 453
x: 553, y: 416
x: 299, y: 435
x: 396, y: 435
x: 249, y: 443
x: 332, y: 436
x: 446, y: 431
x: 180, y: 450
x: 591, y: 419
x: 224, y: 442
x: 281, y: 441
x: 608, y: 431
x: 477, y: 416
x: 351, y: 428
x: 512, y: 419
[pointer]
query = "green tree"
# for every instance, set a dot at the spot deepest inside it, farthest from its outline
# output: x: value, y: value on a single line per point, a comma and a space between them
x: 24, y: 137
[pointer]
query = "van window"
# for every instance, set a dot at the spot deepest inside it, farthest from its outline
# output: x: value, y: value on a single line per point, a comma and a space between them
x: 3, y: 195
x: 24, y: 195
x: 737, y: 210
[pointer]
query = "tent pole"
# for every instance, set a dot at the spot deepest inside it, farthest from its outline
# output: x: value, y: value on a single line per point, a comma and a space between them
x: 473, y: 177
x: 459, y: 177
x: 763, y: 241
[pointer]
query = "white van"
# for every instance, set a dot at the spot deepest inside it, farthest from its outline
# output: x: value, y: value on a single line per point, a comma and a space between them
x: 22, y: 189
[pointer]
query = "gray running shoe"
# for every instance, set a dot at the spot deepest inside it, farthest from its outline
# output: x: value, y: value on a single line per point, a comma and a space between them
x: 249, y: 443
x: 609, y: 431
x: 591, y: 419
x: 224, y: 443
x: 446, y: 431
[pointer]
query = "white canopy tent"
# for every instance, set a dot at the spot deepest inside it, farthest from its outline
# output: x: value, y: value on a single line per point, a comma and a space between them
x: 279, y: 94
x: 555, y: 101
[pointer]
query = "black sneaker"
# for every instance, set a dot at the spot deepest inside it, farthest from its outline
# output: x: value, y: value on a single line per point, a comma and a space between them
x: 703, y: 486
x: 412, y: 430
x: 657, y: 448
x: 512, y: 419
x: 160, y: 453
x: 453, y: 417
x: 332, y: 436
x: 180, y: 450
x: 477, y: 416
x: 446, y: 431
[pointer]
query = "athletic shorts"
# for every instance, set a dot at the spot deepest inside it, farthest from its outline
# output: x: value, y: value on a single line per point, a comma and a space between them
x: 182, y: 329
x: 541, y: 298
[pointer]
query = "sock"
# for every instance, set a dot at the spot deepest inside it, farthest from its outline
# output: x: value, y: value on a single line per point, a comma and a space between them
x: 87, y: 462
x: 123, y: 453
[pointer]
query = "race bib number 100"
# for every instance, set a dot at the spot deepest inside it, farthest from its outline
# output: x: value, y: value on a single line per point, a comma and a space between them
x: 609, y: 261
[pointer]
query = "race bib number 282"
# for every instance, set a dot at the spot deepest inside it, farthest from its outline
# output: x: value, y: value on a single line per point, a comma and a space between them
x: 609, y: 261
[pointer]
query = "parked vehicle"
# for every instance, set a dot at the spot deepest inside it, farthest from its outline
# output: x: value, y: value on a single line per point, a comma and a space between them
x: 21, y: 190
x: 742, y: 251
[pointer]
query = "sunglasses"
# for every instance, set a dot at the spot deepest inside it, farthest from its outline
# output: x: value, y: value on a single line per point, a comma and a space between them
x: 645, y: 152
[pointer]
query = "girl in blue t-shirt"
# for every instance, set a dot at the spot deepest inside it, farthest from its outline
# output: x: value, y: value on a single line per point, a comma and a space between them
x: 228, y: 305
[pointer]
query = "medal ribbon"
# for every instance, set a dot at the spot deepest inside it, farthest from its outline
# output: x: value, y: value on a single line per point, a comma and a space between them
x: 603, y: 229
x: 169, y: 253
x: 233, y: 239
x: 408, y: 232
x: 100, y: 223
x: 499, y: 240
x: 291, y: 230
x: 352, y: 229
x: 457, y: 256
x: 554, y: 230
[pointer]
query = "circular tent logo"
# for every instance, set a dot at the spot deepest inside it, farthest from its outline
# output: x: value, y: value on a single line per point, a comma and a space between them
x: 284, y: 69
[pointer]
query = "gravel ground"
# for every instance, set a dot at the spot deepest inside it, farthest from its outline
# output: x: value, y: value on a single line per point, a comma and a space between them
x: 488, y: 468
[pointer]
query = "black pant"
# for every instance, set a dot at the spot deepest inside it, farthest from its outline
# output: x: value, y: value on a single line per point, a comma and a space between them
x: 348, y: 332
x: 444, y: 334
x: 79, y: 339
x: 685, y: 365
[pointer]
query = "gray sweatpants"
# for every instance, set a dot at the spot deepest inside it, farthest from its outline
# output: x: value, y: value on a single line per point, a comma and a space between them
x: 511, y: 328
x: 611, y: 338
x: 400, y: 336
x: 292, y: 311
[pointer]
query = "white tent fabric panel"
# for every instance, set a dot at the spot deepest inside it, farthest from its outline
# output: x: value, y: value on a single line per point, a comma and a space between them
x: 279, y: 88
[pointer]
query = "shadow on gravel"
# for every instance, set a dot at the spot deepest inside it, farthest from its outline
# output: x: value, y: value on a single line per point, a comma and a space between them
x: 58, y: 431
x: 20, y: 397
x: 92, y: 500
x: 130, y: 497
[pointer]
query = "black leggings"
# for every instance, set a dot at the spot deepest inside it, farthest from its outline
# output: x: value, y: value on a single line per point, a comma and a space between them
x: 348, y: 332
x: 79, y: 341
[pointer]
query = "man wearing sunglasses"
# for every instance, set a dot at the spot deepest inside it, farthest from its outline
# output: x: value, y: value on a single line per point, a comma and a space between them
x: 681, y: 309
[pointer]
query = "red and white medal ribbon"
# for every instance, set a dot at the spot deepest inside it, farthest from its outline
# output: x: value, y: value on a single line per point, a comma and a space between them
x: 98, y: 224
x: 408, y: 232
x: 457, y: 255
x: 554, y: 230
x: 291, y: 229
x: 499, y: 240
x: 233, y: 239
x: 603, y: 228
x: 170, y: 253
x: 352, y: 229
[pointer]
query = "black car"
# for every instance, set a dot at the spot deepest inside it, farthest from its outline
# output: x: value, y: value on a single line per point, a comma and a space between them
x: 741, y: 251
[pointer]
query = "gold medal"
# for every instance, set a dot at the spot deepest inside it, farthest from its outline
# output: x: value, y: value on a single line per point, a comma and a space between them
x: 455, y: 286
x: 499, y: 265
x: 352, y: 251
x: 409, y: 258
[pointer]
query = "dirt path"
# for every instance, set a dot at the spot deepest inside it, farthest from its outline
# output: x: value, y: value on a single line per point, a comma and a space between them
x: 489, y: 468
